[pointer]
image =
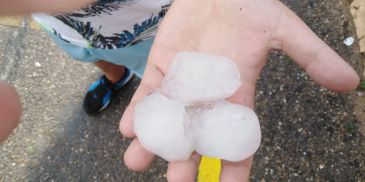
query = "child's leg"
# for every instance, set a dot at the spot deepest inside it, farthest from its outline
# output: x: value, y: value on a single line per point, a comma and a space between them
x: 118, y: 66
x: 112, y: 71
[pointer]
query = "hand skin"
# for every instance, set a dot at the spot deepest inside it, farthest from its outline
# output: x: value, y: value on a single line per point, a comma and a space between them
x: 21, y: 7
x: 10, y: 110
x: 245, y: 31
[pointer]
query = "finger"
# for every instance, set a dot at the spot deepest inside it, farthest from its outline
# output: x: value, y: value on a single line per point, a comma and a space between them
x: 322, y: 63
x: 31, y: 6
x: 10, y: 110
x: 137, y: 157
x: 126, y: 123
x: 183, y: 171
x: 236, y: 171
x: 150, y: 82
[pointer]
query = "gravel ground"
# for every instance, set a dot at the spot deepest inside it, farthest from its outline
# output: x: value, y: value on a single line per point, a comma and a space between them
x: 309, y: 133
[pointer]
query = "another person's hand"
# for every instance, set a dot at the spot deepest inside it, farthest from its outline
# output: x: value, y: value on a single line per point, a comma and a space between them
x: 10, y: 110
x: 16, y: 7
x: 245, y: 31
x: 10, y: 107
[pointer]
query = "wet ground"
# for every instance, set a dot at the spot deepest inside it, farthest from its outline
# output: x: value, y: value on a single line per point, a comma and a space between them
x: 309, y: 133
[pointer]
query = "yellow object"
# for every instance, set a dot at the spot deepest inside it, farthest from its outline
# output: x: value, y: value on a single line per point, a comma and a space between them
x: 209, y: 169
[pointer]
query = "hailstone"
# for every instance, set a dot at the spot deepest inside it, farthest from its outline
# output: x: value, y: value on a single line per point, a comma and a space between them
x: 226, y: 131
x: 160, y: 125
x: 196, y: 78
x: 189, y: 112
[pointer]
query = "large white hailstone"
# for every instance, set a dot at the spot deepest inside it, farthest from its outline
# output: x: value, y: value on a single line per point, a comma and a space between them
x: 160, y: 124
x: 195, y: 78
x: 226, y: 131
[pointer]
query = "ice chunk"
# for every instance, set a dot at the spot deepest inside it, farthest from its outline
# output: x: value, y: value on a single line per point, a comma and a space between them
x: 160, y: 124
x: 195, y: 87
x: 195, y: 78
x: 227, y: 131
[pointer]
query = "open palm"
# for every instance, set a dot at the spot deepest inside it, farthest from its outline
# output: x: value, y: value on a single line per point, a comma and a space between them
x: 245, y: 31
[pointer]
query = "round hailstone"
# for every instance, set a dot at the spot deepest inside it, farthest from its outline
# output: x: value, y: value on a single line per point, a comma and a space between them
x: 195, y: 78
x: 227, y: 131
x: 160, y: 124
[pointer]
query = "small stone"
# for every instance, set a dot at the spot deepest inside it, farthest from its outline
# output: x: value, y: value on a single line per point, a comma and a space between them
x: 360, y: 94
x: 349, y: 41
x: 37, y: 64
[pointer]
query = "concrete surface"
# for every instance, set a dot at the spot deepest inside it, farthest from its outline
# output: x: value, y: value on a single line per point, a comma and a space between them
x: 309, y: 133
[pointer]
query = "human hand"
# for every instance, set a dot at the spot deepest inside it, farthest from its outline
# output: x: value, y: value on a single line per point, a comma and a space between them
x: 16, y: 7
x: 245, y: 31
x: 10, y: 110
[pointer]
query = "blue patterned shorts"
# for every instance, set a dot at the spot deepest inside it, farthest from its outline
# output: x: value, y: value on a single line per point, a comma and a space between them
x: 133, y: 57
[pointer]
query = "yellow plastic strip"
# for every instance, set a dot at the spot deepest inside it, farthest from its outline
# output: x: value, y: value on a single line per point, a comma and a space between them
x: 209, y: 169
